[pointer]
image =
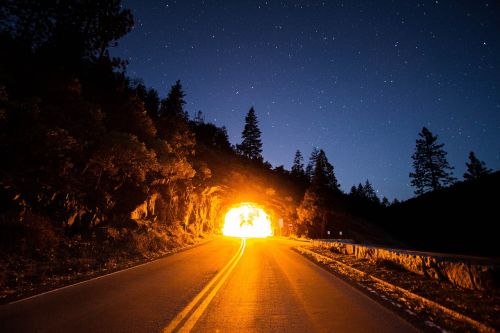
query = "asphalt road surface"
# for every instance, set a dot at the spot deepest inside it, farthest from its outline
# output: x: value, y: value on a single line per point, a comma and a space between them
x: 226, y: 285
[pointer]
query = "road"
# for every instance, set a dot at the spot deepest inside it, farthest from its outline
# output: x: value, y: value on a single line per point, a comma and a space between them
x: 226, y: 285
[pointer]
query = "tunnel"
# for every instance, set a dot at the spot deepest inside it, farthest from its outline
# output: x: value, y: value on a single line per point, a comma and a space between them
x: 247, y: 220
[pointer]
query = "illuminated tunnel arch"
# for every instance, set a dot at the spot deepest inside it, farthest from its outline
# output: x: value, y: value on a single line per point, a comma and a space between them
x: 248, y: 220
x: 277, y: 206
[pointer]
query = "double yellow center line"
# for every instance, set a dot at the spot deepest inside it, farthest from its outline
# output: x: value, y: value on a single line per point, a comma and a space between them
x: 187, y: 318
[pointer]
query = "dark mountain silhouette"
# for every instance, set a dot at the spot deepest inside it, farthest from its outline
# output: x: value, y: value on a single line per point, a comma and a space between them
x: 458, y: 219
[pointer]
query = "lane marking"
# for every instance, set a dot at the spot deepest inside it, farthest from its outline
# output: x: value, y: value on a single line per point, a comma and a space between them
x: 188, y: 326
x: 219, y: 280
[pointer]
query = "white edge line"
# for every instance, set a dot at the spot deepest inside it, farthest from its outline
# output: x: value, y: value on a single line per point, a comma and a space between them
x: 102, y: 276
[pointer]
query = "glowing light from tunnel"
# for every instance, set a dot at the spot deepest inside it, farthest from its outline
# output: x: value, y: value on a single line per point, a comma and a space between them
x: 247, y: 221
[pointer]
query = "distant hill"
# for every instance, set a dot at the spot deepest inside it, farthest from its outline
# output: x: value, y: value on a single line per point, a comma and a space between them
x: 461, y: 218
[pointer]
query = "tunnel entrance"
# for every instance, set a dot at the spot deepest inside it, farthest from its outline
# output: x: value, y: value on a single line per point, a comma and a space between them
x: 247, y: 220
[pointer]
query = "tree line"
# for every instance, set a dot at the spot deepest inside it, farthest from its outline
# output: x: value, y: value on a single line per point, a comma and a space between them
x: 94, y: 164
x: 431, y: 168
x: 322, y: 192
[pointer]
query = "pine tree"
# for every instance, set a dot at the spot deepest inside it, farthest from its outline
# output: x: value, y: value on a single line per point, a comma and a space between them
x: 330, y: 174
x: 385, y: 202
x: 222, y: 138
x: 369, y: 192
x: 298, y: 165
x: 476, y: 168
x: 152, y: 103
x: 323, y: 175
x: 354, y: 191
x: 316, y: 210
x: 312, y: 162
x: 432, y: 170
x: 173, y: 125
x: 364, y: 192
x: 360, y: 191
x: 149, y: 98
x: 251, y: 146
x: 173, y: 105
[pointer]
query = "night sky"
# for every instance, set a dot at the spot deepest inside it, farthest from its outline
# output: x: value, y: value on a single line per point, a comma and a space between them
x: 356, y: 78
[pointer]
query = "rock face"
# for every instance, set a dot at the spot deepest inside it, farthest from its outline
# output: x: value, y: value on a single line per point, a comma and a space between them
x: 147, y: 208
x: 462, y: 272
x: 198, y: 209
